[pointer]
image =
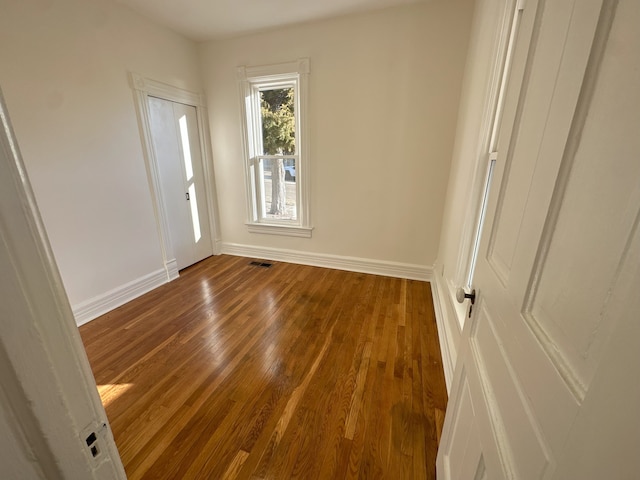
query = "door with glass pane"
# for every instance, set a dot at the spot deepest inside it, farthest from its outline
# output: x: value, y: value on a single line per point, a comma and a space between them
x: 176, y: 143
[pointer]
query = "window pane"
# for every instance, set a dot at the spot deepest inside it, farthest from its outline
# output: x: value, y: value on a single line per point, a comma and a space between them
x: 279, y: 193
x: 186, y: 149
x: 278, y: 121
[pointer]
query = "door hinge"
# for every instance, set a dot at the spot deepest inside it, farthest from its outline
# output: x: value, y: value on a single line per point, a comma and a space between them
x: 187, y: 194
x: 520, y: 5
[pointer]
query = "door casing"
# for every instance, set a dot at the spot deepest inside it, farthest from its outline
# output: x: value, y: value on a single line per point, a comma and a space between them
x: 143, y: 88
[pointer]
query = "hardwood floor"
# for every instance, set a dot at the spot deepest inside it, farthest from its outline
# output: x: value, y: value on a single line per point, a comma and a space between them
x: 238, y: 371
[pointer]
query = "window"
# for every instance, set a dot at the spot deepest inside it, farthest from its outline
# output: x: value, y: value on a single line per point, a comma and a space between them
x: 276, y: 159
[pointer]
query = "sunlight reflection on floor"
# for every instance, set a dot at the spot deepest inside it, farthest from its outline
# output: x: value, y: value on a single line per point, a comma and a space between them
x: 108, y: 393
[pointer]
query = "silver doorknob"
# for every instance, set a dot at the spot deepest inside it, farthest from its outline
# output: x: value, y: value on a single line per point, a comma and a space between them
x: 461, y: 296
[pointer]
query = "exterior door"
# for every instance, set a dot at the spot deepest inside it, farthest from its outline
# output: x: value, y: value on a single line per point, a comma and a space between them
x: 176, y: 141
x: 545, y: 386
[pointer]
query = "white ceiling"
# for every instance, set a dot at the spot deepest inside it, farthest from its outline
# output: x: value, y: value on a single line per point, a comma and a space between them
x: 209, y: 19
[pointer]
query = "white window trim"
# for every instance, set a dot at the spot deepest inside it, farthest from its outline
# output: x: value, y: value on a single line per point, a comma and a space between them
x: 247, y: 77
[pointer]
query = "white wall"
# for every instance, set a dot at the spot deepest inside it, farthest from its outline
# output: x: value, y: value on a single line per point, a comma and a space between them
x: 384, y: 92
x: 47, y: 393
x: 63, y: 69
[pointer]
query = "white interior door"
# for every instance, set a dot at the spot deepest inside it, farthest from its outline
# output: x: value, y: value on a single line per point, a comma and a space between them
x: 541, y: 387
x: 176, y: 141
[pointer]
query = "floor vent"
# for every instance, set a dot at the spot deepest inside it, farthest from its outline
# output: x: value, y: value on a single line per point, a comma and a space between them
x: 261, y: 264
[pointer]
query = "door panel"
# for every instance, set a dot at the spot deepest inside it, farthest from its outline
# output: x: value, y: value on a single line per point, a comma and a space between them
x: 525, y: 447
x: 553, y: 277
x: 193, y: 174
x: 528, y: 110
x: 596, y: 204
x: 176, y: 142
x: 465, y: 462
x: 167, y: 150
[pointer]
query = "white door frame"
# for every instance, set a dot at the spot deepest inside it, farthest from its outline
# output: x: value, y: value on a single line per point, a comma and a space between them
x: 490, y: 122
x: 449, y: 312
x: 143, y: 88
x: 47, y: 390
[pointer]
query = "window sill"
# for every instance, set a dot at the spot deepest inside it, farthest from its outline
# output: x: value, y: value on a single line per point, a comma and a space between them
x: 272, y: 229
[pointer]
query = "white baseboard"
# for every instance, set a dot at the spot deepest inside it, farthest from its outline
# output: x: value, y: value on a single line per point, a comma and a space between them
x: 449, y: 329
x: 339, y: 262
x: 101, y: 304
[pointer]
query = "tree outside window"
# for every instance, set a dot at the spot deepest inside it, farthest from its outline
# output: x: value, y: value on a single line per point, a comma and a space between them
x: 279, y: 139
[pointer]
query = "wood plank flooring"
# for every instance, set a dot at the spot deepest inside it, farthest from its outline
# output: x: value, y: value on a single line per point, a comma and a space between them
x: 237, y: 371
